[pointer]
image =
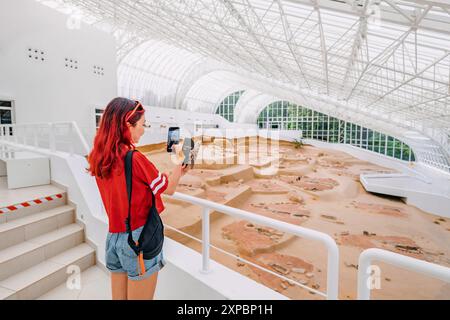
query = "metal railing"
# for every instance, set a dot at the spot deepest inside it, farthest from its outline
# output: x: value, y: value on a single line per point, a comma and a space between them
x: 55, y: 136
x: 412, y: 264
x: 330, y: 244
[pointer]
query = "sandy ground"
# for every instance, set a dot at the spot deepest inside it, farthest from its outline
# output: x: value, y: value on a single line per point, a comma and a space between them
x: 314, y: 188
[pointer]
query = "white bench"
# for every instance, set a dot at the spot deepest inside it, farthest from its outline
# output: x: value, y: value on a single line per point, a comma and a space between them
x: 24, y: 168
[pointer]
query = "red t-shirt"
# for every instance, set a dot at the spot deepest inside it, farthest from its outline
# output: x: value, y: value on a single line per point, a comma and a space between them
x: 146, y: 178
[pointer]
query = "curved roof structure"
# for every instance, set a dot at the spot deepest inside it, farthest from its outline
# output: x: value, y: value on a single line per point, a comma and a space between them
x: 382, y: 63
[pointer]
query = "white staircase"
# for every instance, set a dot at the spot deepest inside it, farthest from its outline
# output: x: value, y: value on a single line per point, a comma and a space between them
x: 37, y: 245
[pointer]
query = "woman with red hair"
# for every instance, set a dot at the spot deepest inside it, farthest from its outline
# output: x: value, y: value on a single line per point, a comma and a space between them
x: 121, y: 127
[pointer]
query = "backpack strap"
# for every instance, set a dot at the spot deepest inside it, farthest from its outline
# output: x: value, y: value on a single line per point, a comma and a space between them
x: 135, y: 245
x: 128, y: 177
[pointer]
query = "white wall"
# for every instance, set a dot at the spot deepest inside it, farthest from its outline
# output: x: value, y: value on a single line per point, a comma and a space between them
x: 46, y: 90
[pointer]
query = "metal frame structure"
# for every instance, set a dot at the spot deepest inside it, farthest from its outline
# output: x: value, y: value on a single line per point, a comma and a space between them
x: 318, y: 126
x: 385, y: 63
x: 226, y: 107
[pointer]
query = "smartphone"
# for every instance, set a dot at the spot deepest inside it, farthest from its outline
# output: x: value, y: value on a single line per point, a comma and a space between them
x: 173, y: 137
x: 188, y: 146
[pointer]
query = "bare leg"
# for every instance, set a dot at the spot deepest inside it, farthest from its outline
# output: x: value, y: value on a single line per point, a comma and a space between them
x: 142, y: 289
x: 119, y: 282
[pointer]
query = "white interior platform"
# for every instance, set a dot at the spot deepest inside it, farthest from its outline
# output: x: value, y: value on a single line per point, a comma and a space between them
x: 25, y: 168
x: 423, y: 194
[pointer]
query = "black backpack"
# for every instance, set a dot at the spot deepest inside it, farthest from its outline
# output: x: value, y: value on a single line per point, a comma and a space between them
x: 151, y: 239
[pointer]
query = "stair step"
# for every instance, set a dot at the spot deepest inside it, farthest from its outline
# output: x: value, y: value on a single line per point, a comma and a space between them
x: 95, y: 286
x: 35, y: 281
x: 29, y: 253
x: 6, y: 293
x: 26, y: 228
x: 33, y: 208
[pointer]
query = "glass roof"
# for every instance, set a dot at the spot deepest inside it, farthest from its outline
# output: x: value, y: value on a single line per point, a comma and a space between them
x: 372, y: 59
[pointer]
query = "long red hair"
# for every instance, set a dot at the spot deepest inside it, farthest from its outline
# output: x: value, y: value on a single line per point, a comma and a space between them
x: 113, y: 138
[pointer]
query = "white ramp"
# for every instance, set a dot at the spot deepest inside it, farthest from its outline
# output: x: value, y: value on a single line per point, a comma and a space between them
x: 419, y: 192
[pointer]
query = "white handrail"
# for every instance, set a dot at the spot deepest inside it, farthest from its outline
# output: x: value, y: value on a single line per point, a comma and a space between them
x: 330, y: 244
x: 81, y: 137
x: 366, y: 257
x: 73, y: 129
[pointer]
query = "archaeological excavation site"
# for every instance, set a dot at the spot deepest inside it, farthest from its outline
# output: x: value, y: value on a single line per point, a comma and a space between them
x: 311, y: 187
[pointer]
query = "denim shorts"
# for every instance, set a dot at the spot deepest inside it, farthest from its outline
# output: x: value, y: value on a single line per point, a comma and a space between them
x: 121, y: 258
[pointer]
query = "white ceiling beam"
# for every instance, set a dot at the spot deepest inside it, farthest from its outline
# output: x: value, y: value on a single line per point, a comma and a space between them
x: 408, y: 80
x: 323, y: 45
x: 288, y: 37
x: 389, y: 51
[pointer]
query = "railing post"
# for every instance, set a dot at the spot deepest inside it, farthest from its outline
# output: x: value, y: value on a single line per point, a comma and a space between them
x: 51, y: 136
x: 84, y: 144
x: 205, y: 241
x: 24, y: 132
x: 363, y: 291
x: 36, y: 138
x: 333, y: 271
x: 72, y: 130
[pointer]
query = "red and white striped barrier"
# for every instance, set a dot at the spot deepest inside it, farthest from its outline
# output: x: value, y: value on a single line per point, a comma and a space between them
x: 30, y: 203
